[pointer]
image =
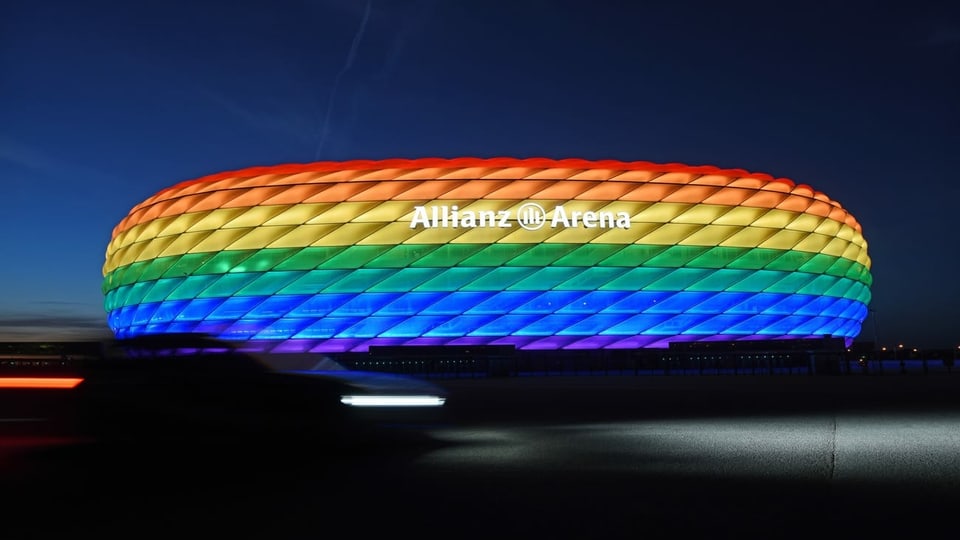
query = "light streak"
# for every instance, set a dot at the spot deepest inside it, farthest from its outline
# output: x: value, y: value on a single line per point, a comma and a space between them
x: 64, y: 383
x: 392, y: 401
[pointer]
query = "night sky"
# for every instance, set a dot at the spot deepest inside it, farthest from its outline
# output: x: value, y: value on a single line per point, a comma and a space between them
x: 106, y: 103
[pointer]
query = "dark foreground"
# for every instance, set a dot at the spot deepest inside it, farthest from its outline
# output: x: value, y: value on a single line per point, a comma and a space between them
x: 571, y: 457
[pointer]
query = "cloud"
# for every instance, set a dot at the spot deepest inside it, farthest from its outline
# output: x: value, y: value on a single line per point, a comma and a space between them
x: 52, y: 320
x: 347, y: 64
x: 404, y: 25
x: 287, y: 124
x: 40, y: 160
x: 28, y: 157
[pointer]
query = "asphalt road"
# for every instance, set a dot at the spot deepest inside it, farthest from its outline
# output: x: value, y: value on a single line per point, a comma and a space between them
x: 547, y: 457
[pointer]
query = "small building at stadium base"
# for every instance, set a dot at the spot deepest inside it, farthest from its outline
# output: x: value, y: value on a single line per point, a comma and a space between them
x: 535, y: 254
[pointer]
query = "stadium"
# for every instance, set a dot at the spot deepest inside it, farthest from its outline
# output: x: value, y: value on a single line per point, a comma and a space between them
x: 537, y: 254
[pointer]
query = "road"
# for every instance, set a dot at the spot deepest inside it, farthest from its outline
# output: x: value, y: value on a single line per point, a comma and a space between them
x: 569, y: 457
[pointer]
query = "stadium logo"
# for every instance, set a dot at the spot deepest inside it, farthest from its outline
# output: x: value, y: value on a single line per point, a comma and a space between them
x: 529, y: 216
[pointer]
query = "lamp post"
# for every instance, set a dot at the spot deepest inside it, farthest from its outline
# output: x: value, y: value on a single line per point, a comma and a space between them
x: 903, y: 365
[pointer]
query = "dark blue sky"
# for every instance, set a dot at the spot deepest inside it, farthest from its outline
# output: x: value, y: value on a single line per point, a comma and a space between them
x: 105, y: 103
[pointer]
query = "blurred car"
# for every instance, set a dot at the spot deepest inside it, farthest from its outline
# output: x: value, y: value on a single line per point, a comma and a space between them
x: 159, y: 385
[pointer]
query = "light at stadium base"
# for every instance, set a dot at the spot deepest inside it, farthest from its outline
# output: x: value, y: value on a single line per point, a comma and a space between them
x: 326, y: 257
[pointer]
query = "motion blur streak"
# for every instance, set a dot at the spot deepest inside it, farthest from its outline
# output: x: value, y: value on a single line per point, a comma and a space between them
x: 392, y: 401
x: 65, y: 383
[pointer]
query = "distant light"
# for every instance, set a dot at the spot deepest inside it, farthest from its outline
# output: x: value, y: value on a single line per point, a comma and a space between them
x: 392, y: 401
x: 40, y: 382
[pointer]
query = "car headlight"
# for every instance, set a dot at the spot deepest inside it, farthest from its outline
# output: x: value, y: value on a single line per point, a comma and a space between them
x: 371, y: 400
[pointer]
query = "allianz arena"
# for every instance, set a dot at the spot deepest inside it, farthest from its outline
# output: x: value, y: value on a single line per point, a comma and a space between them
x: 534, y: 253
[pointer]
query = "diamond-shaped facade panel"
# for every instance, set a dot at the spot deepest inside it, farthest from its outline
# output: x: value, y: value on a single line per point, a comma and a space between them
x: 536, y: 253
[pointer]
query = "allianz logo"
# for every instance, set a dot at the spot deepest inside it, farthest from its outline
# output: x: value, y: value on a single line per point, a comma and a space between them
x: 530, y: 216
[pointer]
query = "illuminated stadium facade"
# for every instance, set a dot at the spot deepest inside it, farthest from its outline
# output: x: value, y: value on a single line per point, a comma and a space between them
x: 534, y: 253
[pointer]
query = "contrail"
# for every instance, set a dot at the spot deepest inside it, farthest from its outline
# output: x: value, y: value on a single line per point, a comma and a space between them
x: 351, y: 55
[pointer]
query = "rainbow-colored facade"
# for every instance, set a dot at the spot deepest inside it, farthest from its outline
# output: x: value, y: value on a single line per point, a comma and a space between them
x: 536, y: 253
